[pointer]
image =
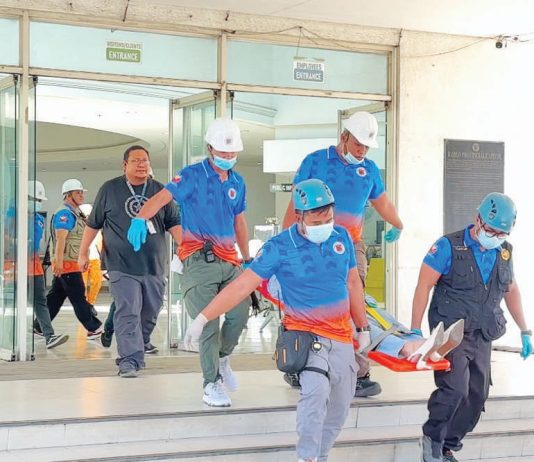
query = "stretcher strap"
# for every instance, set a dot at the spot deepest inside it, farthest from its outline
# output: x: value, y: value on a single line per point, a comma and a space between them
x: 378, y: 317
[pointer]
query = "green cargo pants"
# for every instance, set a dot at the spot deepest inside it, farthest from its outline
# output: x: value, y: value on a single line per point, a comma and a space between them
x: 201, y: 282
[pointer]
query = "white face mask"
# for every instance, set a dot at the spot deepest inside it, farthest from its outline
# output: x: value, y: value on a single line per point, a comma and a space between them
x: 319, y: 233
x: 353, y: 160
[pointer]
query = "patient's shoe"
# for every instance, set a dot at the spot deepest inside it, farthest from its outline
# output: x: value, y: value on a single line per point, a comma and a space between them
x: 452, y: 337
x: 431, y: 344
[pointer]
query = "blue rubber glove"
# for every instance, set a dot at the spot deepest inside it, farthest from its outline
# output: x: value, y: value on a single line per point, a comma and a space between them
x: 527, y: 346
x: 417, y: 332
x: 392, y: 235
x: 370, y: 301
x: 137, y: 233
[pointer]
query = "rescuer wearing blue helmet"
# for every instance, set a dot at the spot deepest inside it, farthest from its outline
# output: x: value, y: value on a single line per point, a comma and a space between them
x: 471, y: 271
x: 315, y: 265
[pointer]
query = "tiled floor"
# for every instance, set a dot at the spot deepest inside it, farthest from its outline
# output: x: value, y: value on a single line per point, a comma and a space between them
x: 103, y: 396
x: 252, y: 340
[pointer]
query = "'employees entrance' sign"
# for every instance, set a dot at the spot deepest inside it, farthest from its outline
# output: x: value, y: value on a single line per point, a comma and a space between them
x: 128, y: 52
x: 308, y: 70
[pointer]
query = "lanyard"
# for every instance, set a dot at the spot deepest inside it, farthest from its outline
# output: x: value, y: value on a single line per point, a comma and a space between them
x: 136, y: 196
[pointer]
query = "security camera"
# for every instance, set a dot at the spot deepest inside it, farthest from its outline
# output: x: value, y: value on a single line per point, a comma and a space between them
x: 498, y: 44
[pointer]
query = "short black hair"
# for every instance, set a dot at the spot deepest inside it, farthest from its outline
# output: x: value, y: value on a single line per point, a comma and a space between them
x: 319, y: 210
x: 136, y: 147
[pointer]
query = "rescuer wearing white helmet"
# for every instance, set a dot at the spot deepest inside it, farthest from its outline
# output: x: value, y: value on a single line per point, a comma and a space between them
x: 354, y: 180
x: 42, y: 323
x: 68, y: 224
x: 211, y: 196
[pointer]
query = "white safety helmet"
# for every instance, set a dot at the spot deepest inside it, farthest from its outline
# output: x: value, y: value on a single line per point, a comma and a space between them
x: 224, y: 135
x: 72, y: 184
x: 364, y: 127
x: 36, y: 190
x: 86, y: 209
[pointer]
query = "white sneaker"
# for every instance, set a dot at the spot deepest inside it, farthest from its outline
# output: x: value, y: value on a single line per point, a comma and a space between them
x: 215, y: 395
x: 228, y: 376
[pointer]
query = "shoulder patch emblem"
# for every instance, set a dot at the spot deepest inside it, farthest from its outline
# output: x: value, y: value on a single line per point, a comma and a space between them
x: 339, y: 247
x: 505, y: 254
x: 232, y: 193
x: 177, y: 179
x: 63, y: 218
x: 433, y: 249
x: 361, y: 171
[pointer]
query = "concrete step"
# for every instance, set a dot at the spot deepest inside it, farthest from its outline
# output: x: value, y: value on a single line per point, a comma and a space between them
x: 364, y: 414
x: 496, y: 439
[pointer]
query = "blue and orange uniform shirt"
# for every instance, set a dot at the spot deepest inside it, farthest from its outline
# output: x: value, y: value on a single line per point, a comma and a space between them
x: 439, y: 257
x: 313, y: 280
x: 35, y: 267
x: 208, y: 207
x: 66, y: 219
x: 351, y: 185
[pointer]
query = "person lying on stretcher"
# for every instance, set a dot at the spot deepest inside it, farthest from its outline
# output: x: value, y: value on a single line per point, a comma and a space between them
x: 389, y: 336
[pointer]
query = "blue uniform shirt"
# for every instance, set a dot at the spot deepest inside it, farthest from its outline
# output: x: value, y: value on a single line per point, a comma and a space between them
x: 313, y: 280
x: 208, y: 207
x: 351, y: 185
x: 439, y: 257
x: 38, y: 232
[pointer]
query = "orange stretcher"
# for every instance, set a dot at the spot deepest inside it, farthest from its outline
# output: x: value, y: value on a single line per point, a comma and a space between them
x: 390, y: 362
x: 403, y: 365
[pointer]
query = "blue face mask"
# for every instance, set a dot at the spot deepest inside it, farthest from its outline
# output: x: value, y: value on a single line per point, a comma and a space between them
x: 319, y: 233
x: 224, y: 164
x: 35, y: 206
x: 489, y: 242
x: 352, y: 160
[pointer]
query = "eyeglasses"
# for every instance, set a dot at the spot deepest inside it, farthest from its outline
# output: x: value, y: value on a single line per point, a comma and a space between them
x: 490, y: 232
x: 139, y: 161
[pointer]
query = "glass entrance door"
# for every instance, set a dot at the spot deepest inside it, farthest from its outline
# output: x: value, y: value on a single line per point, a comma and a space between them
x: 8, y: 224
x: 373, y: 234
x: 189, y: 119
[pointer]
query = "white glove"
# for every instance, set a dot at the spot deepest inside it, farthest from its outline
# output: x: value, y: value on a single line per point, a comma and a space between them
x: 176, y: 265
x: 364, y: 339
x: 193, y: 333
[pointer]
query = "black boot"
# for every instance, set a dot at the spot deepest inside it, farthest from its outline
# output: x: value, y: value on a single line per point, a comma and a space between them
x: 365, y: 387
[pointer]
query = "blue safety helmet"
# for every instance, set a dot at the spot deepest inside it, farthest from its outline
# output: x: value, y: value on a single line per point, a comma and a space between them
x: 311, y: 194
x: 498, y: 211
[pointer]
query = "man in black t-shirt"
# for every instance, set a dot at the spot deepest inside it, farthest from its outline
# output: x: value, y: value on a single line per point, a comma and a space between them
x: 137, y: 279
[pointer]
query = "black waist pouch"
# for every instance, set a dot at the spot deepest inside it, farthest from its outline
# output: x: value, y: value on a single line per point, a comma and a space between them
x: 292, y: 350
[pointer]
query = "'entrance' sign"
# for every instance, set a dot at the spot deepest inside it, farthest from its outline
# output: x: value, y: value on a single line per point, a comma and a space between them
x: 308, y: 70
x: 128, y: 52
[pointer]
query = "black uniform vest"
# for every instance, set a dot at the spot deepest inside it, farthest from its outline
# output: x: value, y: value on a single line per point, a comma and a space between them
x: 462, y: 294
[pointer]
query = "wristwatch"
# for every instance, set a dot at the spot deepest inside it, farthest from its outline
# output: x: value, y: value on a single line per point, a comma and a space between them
x: 363, y: 329
x: 526, y: 332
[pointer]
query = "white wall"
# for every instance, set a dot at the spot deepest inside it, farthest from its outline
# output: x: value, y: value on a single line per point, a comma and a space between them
x: 479, y: 93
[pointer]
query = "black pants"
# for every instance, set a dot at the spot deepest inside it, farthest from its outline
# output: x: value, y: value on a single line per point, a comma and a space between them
x: 455, y: 407
x: 71, y: 285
